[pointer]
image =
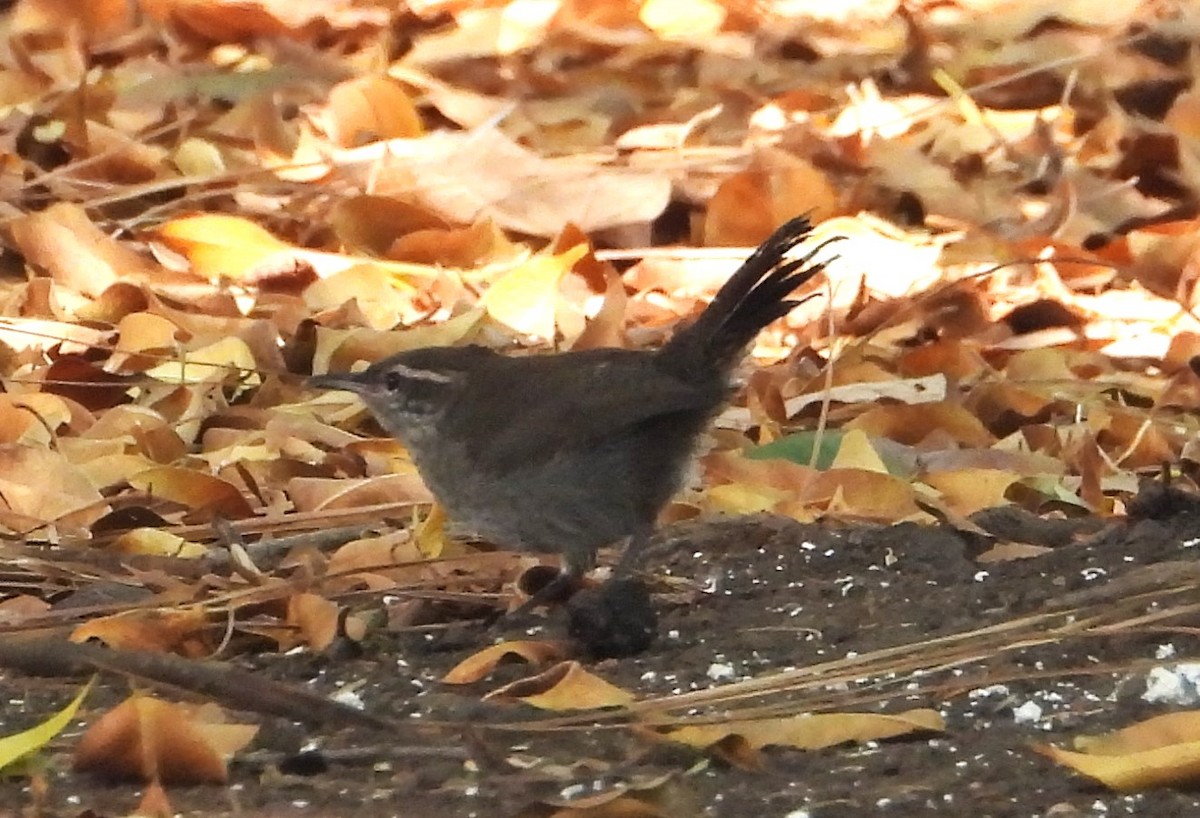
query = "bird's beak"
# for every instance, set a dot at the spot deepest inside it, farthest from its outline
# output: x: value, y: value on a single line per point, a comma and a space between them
x: 348, y: 381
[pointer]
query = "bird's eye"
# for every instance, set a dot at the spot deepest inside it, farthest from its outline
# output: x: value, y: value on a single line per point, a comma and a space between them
x: 392, y: 381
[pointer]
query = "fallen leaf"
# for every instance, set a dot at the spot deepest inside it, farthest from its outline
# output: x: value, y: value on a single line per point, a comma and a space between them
x: 186, y: 632
x: 479, y: 665
x: 198, y: 491
x: 315, y: 617
x: 812, y: 731
x: 149, y: 739
x: 566, y: 686
x: 1163, y: 751
x: 20, y: 745
x: 526, y: 298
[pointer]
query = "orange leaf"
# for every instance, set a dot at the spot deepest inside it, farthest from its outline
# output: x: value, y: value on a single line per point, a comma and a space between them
x: 369, y: 109
x: 220, y: 246
x: 184, y: 632
x: 315, y: 617
x: 153, y: 740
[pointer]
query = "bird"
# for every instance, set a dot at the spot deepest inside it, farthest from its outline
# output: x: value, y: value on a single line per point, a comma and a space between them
x: 575, y: 451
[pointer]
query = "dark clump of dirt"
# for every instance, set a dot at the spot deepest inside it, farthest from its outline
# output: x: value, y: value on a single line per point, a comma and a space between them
x: 1012, y: 648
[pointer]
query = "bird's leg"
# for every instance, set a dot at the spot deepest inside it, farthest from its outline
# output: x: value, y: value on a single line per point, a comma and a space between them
x: 555, y: 589
x: 552, y: 591
x: 632, y: 554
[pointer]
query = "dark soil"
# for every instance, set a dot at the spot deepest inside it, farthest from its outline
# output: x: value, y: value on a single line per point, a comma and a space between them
x: 747, y: 599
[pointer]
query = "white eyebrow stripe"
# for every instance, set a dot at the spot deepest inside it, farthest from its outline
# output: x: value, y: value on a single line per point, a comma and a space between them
x: 419, y: 374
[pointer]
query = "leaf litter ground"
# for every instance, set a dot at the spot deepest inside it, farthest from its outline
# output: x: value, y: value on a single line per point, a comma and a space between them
x: 1067, y: 632
x: 1084, y: 164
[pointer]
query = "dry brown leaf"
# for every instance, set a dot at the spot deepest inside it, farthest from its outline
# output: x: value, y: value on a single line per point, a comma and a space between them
x: 749, y: 205
x: 479, y: 665
x: 234, y: 20
x: 1006, y: 552
x: 566, y: 686
x: 198, y: 491
x: 63, y: 241
x: 912, y: 424
x: 315, y: 617
x: 373, y: 224
x: 373, y: 555
x: 812, y: 731
x: 466, y: 176
x: 329, y: 494
x: 100, y: 20
x: 39, y: 485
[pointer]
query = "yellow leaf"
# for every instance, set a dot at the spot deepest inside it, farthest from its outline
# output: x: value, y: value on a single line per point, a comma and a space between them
x: 19, y: 745
x: 208, y: 364
x: 1171, y: 728
x: 1162, y: 751
x: 522, y: 24
x: 1167, y: 766
x: 526, y: 297
x: 856, y: 452
x: 159, y: 543
x: 969, y: 490
x: 430, y: 534
x: 864, y: 493
x: 566, y: 686
x: 671, y: 19
x: 741, y: 498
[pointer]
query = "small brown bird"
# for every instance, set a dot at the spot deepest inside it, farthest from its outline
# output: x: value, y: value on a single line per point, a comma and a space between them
x: 575, y: 451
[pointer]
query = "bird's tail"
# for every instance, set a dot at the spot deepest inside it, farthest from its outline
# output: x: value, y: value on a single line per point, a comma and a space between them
x: 753, y: 297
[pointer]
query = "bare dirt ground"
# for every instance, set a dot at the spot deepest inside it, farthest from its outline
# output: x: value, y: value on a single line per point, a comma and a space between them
x: 1012, y: 653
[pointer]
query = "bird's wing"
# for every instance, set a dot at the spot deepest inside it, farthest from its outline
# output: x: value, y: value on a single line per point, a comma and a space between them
x: 606, y: 394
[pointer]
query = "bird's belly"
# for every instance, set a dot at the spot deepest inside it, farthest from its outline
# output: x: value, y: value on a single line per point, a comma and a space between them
x: 570, y: 504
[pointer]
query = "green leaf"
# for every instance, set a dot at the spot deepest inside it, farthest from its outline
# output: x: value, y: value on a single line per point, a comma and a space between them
x: 798, y: 448
x: 899, y: 460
